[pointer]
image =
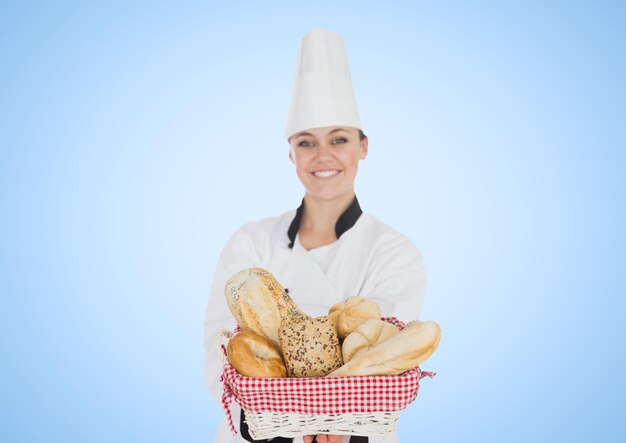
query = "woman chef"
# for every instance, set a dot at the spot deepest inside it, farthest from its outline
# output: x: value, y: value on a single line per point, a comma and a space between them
x: 327, y: 249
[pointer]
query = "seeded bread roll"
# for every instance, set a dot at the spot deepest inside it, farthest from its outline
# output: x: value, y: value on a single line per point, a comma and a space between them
x: 310, y: 346
x: 404, y: 351
x: 259, y: 302
x: 346, y: 316
x: 254, y: 355
x: 367, y: 335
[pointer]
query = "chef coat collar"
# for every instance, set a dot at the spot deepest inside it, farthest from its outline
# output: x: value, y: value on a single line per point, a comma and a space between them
x: 344, y: 222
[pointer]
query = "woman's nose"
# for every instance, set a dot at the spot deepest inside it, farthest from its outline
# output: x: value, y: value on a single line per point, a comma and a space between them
x: 324, y: 151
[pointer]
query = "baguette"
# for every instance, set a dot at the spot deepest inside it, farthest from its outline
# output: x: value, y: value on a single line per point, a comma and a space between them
x: 404, y: 351
x: 259, y: 302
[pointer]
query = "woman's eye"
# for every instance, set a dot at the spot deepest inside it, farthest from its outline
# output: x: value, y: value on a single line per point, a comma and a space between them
x: 339, y: 140
x: 305, y: 144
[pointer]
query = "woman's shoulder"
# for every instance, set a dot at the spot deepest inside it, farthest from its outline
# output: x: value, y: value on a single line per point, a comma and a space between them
x: 266, y: 229
x: 383, y: 239
x: 379, y: 229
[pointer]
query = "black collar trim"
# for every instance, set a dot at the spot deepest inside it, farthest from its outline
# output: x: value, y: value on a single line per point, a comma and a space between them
x: 344, y: 222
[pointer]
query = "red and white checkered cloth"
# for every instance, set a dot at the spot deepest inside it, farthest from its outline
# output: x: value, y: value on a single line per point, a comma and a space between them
x: 321, y: 395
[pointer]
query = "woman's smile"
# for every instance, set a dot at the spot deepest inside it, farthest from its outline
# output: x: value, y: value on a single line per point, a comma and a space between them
x: 326, y: 173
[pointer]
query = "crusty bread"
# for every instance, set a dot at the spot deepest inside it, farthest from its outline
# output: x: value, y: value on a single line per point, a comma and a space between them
x: 254, y: 355
x: 367, y: 335
x: 346, y: 316
x: 310, y: 346
x: 259, y: 302
x: 406, y: 350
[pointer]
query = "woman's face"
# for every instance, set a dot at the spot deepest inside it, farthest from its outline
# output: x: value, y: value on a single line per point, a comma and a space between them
x: 327, y: 160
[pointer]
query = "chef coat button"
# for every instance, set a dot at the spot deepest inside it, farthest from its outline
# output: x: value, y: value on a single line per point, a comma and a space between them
x: 287, y: 290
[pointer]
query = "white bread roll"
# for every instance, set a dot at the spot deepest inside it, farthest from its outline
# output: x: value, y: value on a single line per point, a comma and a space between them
x: 367, y: 335
x: 254, y: 355
x: 259, y: 302
x: 406, y: 350
x: 310, y: 346
x: 346, y: 316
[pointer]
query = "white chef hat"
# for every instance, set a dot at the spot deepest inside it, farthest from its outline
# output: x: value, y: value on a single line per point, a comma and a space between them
x: 322, y: 93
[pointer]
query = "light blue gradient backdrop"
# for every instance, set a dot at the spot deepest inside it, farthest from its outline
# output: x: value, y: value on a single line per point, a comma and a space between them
x: 136, y: 137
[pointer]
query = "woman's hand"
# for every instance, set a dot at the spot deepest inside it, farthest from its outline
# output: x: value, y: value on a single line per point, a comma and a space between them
x: 323, y: 438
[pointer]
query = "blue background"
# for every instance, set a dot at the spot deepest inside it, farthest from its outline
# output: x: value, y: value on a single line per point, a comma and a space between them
x: 136, y: 136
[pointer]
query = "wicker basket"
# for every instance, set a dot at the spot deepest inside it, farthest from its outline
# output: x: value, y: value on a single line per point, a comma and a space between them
x: 291, y: 407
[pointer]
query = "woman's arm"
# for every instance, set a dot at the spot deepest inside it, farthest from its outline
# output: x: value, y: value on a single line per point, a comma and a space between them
x: 239, y: 253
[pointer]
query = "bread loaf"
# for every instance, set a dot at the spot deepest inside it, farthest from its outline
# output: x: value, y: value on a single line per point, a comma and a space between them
x: 367, y: 335
x: 346, y: 316
x: 310, y: 346
x: 254, y: 355
x: 259, y: 302
x: 406, y: 350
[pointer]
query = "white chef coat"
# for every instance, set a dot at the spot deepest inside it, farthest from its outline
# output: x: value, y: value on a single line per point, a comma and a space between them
x: 369, y: 259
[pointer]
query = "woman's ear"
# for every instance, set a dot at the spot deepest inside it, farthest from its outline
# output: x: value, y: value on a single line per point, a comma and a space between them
x: 291, y: 155
x: 364, y: 148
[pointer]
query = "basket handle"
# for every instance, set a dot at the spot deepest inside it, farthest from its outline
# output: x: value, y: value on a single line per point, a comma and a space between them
x: 227, y: 394
x: 221, y: 349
